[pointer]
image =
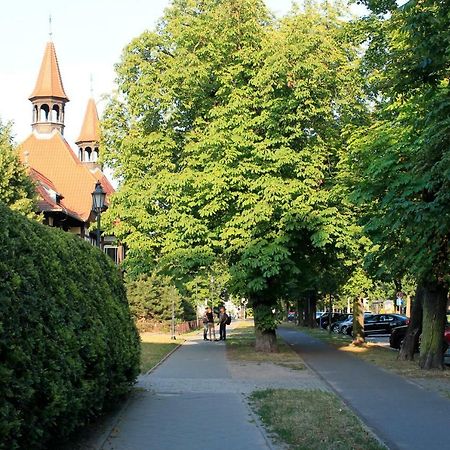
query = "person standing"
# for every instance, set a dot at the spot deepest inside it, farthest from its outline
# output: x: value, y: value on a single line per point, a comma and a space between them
x: 211, y: 328
x: 223, y: 317
x: 205, y: 325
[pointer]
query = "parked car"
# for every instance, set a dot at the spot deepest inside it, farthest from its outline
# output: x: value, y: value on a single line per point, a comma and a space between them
x: 398, y: 335
x: 380, y: 323
x: 341, y: 326
x: 324, y: 320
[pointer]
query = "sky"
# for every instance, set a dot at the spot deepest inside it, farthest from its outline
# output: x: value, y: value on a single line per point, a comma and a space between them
x: 89, y: 36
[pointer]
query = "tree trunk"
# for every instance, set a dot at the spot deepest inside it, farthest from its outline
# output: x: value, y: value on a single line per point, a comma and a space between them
x: 265, y: 326
x: 358, y: 321
x: 301, y: 312
x: 266, y: 341
x: 409, y: 345
x: 433, y: 326
x: 310, y: 319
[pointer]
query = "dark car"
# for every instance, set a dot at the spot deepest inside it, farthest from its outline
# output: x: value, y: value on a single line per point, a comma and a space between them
x: 398, y: 335
x: 381, y: 323
x: 324, y: 320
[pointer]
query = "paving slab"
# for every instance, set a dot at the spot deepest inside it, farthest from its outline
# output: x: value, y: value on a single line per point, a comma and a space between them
x: 401, y: 413
x: 189, y: 402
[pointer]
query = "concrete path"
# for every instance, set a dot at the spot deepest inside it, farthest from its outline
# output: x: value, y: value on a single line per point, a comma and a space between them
x: 189, y: 402
x: 401, y: 413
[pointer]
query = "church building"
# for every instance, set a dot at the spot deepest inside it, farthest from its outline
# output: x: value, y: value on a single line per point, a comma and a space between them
x: 64, y: 180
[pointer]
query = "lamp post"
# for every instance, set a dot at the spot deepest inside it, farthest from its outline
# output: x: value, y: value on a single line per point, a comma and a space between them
x: 173, y: 316
x: 98, y: 204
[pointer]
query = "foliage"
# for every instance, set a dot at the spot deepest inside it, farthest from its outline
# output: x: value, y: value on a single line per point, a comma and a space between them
x: 68, y: 346
x: 400, y: 163
x: 16, y: 188
x: 152, y: 297
x: 225, y: 135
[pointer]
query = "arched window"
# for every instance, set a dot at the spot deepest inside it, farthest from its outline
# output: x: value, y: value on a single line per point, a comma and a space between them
x: 35, y: 113
x: 44, y: 112
x: 95, y: 154
x: 55, y: 113
x: 80, y: 154
x: 87, y: 153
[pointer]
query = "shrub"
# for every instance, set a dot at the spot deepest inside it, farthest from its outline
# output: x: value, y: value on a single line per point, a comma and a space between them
x: 68, y: 345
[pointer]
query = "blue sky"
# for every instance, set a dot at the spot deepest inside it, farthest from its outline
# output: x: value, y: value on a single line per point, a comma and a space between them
x: 89, y: 36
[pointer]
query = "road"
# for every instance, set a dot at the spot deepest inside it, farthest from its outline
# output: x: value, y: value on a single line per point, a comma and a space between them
x: 380, y: 339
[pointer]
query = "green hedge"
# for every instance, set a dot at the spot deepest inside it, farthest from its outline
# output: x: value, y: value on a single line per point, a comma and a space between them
x: 68, y: 345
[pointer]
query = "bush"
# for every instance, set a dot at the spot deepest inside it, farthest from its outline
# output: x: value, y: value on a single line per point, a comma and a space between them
x: 68, y: 345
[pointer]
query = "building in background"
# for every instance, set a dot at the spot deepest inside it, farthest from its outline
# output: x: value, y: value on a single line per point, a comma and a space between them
x: 64, y: 180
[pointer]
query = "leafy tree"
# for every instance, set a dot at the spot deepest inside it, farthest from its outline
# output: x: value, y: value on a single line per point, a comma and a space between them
x: 225, y: 135
x: 16, y: 188
x: 153, y: 297
x: 401, y: 162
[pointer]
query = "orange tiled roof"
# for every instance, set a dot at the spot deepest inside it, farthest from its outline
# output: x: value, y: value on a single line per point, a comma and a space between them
x: 47, y: 195
x: 52, y: 157
x: 49, y: 83
x: 90, y: 131
x: 106, y: 185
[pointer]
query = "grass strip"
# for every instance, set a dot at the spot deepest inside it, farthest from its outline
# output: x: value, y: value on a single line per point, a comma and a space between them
x: 154, y: 347
x: 241, y: 347
x: 311, y: 420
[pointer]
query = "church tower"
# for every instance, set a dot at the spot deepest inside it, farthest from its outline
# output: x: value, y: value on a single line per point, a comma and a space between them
x: 48, y: 97
x: 89, y: 137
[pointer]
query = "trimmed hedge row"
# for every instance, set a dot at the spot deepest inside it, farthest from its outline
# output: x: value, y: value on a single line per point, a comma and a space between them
x: 68, y: 344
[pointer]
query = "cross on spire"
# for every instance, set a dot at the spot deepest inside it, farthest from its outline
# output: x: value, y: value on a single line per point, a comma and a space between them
x: 91, y: 80
x: 50, y: 32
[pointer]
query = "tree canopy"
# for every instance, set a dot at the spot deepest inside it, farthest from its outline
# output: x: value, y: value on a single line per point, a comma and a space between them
x: 301, y: 154
x: 400, y: 163
x: 225, y: 135
x: 16, y: 188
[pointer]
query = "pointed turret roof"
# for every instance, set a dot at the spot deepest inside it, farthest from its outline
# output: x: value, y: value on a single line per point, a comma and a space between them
x: 53, y: 159
x: 49, y: 83
x: 90, y: 131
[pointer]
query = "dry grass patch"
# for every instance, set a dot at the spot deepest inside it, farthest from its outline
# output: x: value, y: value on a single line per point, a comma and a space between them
x: 241, y: 347
x: 312, y: 420
x: 154, y: 347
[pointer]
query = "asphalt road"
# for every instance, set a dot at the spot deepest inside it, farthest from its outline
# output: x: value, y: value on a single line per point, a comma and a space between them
x: 380, y: 339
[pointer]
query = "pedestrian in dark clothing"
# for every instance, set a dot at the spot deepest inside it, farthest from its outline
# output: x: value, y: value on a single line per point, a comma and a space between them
x: 205, y: 325
x: 223, y: 316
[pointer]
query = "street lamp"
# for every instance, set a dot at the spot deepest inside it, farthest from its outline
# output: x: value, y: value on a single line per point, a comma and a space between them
x: 98, y: 204
x: 173, y: 316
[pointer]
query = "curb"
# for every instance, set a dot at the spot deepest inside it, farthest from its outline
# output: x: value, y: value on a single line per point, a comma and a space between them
x: 273, y: 442
x: 165, y: 357
x: 372, y: 431
x: 105, y: 436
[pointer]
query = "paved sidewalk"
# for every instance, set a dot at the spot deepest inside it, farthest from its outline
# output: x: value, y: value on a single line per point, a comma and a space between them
x: 190, y: 402
x: 402, y: 414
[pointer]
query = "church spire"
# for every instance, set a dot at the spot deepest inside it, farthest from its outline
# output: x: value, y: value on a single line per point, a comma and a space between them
x: 89, y: 137
x: 48, y: 97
